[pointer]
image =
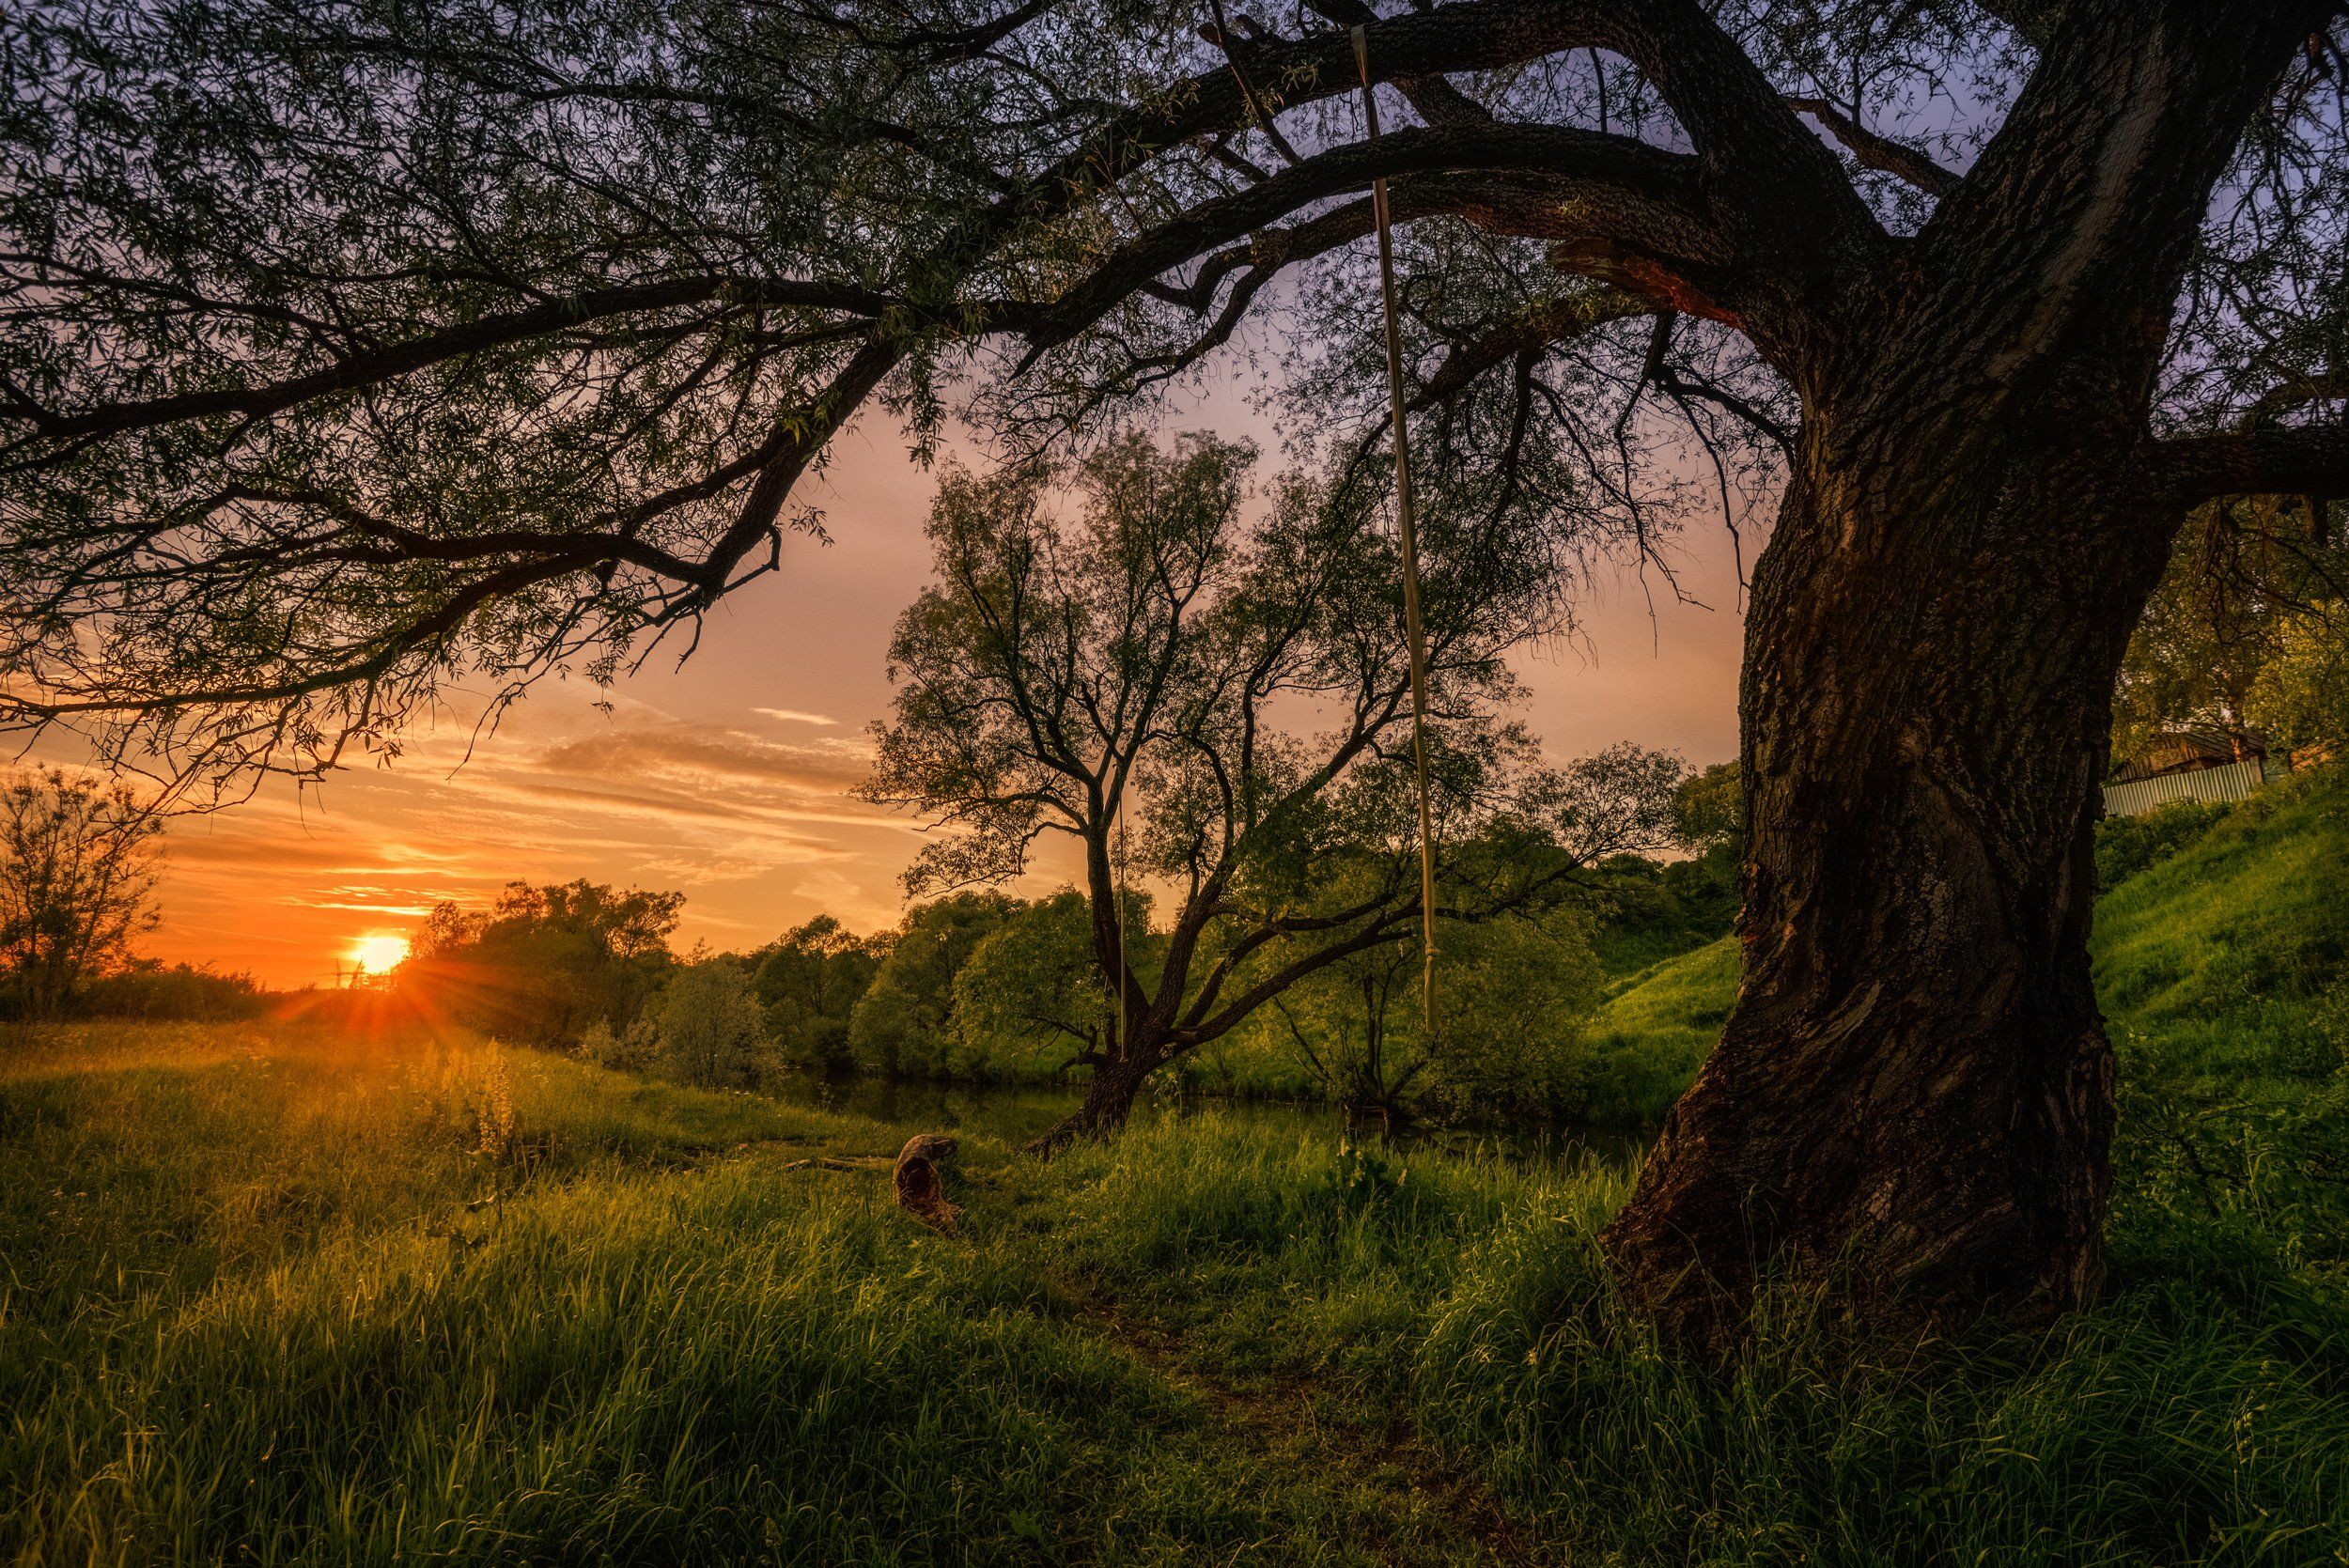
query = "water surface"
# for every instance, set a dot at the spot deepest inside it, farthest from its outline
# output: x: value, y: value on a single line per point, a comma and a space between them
x: 1016, y: 1112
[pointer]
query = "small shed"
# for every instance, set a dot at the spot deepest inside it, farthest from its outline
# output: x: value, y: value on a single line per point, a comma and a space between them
x: 2190, y: 765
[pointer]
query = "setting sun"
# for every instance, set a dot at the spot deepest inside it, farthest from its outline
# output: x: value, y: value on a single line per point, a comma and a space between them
x: 379, y: 954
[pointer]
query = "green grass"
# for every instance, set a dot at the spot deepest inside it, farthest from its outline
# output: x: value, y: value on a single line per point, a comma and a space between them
x: 2219, y: 965
x: 2224, y: 962
x: 273, y: 1295
x: 1654, y: 1029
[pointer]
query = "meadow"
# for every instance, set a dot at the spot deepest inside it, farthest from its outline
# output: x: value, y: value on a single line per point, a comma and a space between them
x: 289, y: 1293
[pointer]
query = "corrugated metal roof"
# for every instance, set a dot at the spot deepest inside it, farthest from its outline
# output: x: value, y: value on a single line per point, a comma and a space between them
x: 2185, y: 749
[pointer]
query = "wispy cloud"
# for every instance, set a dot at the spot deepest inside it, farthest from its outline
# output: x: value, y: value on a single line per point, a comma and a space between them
x: 759, y: 831
x: 684, y: 752
x: 794, y: 716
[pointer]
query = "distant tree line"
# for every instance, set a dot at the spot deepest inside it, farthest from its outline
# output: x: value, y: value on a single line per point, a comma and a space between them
x: 982, y: 984
x: 542, y: 964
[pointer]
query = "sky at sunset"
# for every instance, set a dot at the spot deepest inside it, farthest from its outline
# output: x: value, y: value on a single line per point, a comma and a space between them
x: 728, y: 779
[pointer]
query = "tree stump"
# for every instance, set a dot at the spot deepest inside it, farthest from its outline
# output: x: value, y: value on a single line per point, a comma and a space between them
x: 920, y: 1191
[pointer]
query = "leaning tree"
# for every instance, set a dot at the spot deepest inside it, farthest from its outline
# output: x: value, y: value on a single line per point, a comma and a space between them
x: 348, y: 346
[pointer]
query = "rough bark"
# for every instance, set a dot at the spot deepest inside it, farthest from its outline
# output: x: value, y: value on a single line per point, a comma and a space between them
x: 1912, y: 1099
x: 1914, y: 1082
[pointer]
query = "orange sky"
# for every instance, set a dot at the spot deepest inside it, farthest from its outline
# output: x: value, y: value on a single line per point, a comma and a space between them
x: 727, y: 779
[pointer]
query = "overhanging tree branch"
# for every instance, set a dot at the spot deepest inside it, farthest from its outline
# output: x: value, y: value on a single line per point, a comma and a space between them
x: 369, y: 368
x: 1644, y: 198
x: 2265, y: 460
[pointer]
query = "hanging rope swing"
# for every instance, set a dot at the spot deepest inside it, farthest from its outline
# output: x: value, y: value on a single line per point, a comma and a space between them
x: 1414, y: 632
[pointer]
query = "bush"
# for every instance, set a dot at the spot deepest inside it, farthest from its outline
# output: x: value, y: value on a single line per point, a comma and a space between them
x: 1656, y: 910
x: 2128, y: 844
x: 631, y: 1050
x: 904, y: 1022
x: 181, y: 993
x: 710, y: 1028
x: 1517, y: 1001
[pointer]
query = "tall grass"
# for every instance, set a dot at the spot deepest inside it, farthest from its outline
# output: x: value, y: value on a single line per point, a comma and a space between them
x: 621, y: 1330
x: 2199, y: 1416
x: 2169, y: 1425
x: 291, y: 1298
x: 662, y: 1369
x: 286, y: 1296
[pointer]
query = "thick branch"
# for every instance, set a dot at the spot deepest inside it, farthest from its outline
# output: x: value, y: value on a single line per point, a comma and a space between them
x: 1439, y: 102
x: 1643, y: 195
x: 2269, y: 459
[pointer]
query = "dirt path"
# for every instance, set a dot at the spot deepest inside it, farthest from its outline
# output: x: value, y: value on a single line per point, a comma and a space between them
x: 1310, y: 1454
x: 1407, y: 1505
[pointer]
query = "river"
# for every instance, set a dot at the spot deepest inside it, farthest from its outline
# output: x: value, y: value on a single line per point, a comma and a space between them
x: 1016, y: 1112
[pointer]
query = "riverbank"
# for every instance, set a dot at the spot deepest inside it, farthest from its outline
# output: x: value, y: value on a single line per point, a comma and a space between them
x: 1015, y: 1112
x: 291, y: 1297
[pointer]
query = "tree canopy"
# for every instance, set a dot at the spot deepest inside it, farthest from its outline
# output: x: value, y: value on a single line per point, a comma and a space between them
x: 349, y: 348
x: 1034, y: 989
x: 77, y: 884
x: 2246, y: 631
x: 904, y: 1021
x: 1210, y: 698
x: 809, y: 981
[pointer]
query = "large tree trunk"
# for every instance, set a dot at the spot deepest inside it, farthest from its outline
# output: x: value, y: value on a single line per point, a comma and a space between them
x: 1912, y: 1099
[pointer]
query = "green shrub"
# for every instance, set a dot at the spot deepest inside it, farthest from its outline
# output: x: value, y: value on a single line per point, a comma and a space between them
x: 633, y: 1049
x: 710, y: 1028
x: 2128, y: 844
x: 155, y: 992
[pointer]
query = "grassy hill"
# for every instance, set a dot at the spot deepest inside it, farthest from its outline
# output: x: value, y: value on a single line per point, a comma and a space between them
x: 2225, y: 960
x: 278, y: 1295
x: 1654, y: 1029
x: 2219, y: 959
x: 289, y: 1297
